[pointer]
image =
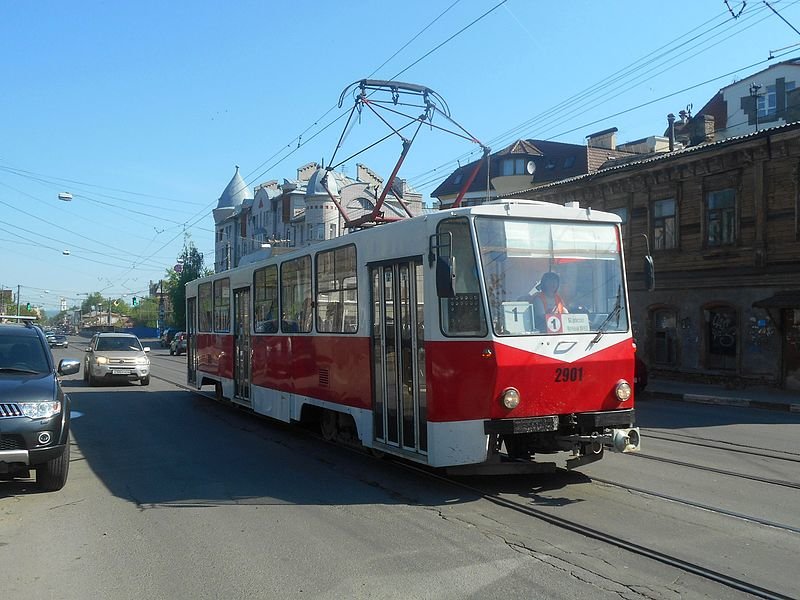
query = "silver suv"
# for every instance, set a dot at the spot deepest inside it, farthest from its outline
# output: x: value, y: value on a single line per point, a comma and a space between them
x: 34, y: 410
x: 116, y: 357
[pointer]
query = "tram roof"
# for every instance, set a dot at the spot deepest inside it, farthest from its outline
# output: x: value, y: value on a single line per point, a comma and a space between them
x: 535, y: 209
x: 510, y: 207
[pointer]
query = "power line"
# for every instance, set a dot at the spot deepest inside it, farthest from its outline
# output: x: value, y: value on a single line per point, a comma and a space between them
x: 300, y: 143
x: 660, y: 53
x: 641, y: 105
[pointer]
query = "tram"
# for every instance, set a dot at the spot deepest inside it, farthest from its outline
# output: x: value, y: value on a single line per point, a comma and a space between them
x: 422, y: 339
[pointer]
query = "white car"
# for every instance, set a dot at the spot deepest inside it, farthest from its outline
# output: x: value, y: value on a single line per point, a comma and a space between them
x: 116, y: 357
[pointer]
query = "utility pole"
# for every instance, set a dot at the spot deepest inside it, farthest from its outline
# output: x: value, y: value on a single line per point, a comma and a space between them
x: 161, y: 307
x: 754, y: 94
x: 18, y: 288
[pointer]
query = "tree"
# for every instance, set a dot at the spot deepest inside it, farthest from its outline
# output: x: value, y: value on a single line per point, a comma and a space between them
x: 191, y: 261
x: 101, y: 305
x: 96, y: 300
x: 145, y: 313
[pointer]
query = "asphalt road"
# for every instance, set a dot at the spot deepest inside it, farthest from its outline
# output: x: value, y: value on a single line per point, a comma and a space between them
x: 172, y: 495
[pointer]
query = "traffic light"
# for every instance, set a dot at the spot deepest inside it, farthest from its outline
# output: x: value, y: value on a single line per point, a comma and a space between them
x: 28, y: 306
x: 134, y: 301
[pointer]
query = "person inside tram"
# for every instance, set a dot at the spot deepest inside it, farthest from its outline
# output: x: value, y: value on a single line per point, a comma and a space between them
x: 547, y: 300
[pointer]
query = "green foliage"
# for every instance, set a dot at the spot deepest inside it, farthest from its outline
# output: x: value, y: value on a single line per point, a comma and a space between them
x: 192, y: 261
x: 145, y: 313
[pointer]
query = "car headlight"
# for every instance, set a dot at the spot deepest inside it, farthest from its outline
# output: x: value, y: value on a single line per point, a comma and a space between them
x: 39, y: 410
x: 100, y: 360
x: 142, y: 360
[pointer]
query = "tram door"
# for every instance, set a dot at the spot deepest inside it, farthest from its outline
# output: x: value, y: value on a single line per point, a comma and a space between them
x: 398, y: 356
x: 241, y: 345
x: 191, y: 342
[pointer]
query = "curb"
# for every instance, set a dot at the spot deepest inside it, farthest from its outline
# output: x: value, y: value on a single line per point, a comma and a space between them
x: 725, y: 401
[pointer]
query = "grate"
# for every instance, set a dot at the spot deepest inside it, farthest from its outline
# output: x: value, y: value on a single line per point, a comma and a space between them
x: 9, y: 410
x: 12, y: 442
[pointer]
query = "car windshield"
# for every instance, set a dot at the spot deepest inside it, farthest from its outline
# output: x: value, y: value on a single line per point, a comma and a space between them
x: 548, y: 277
x: 119, y: 344
x: 22, y: 353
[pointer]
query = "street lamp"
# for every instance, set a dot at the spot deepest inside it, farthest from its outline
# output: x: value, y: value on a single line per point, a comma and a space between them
x: 65, y: 196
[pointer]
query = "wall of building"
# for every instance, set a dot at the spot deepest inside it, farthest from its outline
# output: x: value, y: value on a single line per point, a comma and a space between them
x: 708, y: 290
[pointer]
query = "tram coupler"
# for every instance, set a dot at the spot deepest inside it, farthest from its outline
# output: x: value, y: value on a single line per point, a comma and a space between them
x: 619, y: 440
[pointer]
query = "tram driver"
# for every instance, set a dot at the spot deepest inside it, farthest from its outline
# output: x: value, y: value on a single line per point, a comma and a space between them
x: 546, y: 300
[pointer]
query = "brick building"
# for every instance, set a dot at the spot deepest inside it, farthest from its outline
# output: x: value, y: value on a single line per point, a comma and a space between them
x: 723, y: 224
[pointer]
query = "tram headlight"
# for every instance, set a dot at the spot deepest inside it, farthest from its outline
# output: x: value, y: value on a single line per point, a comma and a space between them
x: 623, y: 390
x: 510, y: 398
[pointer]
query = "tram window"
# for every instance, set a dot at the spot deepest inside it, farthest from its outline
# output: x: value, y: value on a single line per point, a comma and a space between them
x: 204, y: 301
x: 222, y: 305
x: 296, y: 303
x: 463, y: 314
x: 265, y: 299
x: 337, y: 291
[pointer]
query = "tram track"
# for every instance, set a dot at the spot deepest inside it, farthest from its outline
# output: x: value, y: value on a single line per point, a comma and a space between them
x: 723, y: 445
x: 688, y: 465
x: 697, y: 505
x: 608, y: 538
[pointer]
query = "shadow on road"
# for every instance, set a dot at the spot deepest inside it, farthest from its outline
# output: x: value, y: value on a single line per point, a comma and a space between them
x: 179, y: 449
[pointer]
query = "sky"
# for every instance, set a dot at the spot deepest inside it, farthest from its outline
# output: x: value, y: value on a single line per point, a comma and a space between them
x: 142, y: 110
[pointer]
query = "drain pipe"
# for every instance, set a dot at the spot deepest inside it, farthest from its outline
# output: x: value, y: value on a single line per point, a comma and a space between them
x: 671, y: 131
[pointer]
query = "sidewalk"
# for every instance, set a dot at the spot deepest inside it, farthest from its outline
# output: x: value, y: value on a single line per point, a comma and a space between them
x: 755, y: 397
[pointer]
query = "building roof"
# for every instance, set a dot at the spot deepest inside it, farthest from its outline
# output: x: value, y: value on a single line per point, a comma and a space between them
x: 642, y: 159
x: 553, y: 161
x: 235, y: 192
x: 792, y: 62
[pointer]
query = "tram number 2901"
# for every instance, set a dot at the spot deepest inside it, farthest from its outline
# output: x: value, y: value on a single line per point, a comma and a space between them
x: 567, y: 374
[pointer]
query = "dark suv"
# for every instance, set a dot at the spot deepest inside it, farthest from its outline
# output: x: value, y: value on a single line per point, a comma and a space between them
x: 34, y: 410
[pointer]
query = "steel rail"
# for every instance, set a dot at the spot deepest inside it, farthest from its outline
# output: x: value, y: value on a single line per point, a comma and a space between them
x: 681, y: 463
x: 561, y: 523
x: 739, y: 448
x: 634, y: 548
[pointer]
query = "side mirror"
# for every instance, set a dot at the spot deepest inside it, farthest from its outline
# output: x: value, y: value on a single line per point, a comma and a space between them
x: 146, y: 348
x: 649, y: 274
x: 445, y: 277
x: 68, y: 366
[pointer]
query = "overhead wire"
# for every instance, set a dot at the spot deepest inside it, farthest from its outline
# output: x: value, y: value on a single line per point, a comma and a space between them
x: 588, y: 92
x: 643, y: 104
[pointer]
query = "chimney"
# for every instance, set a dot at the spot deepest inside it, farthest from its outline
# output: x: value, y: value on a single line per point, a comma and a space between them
x: 671, y: 131
x: 702, y: 129
x: 606, y: 139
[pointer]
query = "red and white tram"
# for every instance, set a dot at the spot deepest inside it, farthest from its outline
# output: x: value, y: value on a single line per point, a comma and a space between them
x: 422, y: 338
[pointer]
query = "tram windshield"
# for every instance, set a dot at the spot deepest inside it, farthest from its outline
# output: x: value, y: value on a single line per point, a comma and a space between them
x: 550, y: 277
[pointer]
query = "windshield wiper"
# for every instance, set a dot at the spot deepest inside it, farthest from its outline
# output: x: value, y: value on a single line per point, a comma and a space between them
x: 614, y: 313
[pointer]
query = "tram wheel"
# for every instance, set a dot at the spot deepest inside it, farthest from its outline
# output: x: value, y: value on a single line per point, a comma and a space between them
x: 329, y: 425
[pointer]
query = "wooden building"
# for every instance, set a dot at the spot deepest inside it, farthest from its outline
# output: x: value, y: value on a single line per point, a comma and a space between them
x: 722, y: 220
